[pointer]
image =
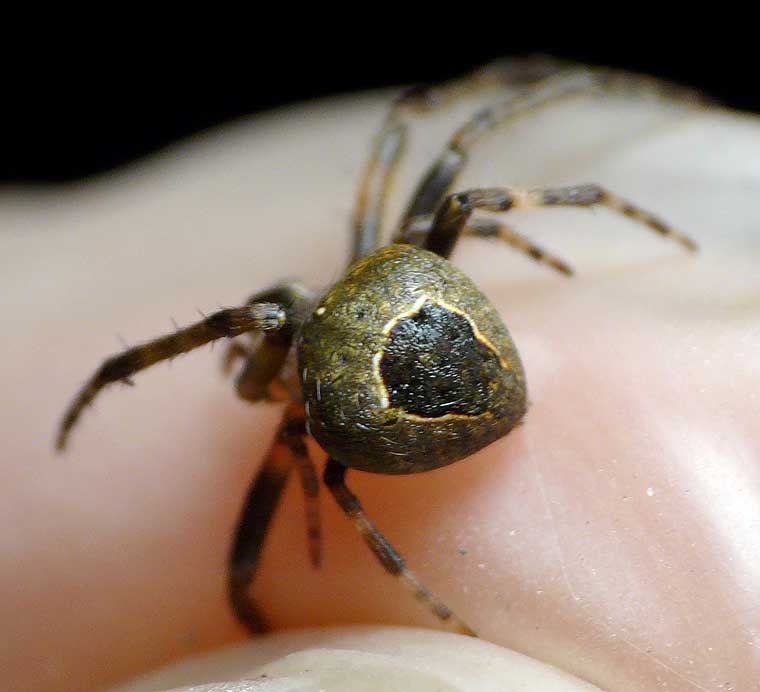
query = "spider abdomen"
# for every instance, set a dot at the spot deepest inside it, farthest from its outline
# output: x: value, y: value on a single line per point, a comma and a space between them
x: 406, y: 366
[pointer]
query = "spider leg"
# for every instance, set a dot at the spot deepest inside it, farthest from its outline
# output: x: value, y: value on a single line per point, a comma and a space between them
x: 334, y: 478
x: 485, y: 228
x: 287, y: 450
x: 535, y: 82
x: 266, y: 357
x: 307, y: 472
x: 416, y: 230
x: 374, y: 186
x: 263, y: 364
x: 565, y: 84
x: 230, y: 322
x: 260, y: 504
x: 454, y: 213
x: 234, y: 352
x: 390, y: 141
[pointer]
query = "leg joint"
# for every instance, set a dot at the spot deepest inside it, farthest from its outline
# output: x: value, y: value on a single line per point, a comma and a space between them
x: 334, y: 474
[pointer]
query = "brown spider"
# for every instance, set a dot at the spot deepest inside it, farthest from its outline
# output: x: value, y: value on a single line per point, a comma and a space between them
x: 403, y: 365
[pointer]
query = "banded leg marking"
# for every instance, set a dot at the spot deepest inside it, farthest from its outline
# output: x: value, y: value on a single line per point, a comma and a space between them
x: 226, y: 323
x: 564, y: 84
x: 390, y: 142
x: 266, y: 491
x: 455, y: 212
x: 294, y: 436
x: 417, y: 229
x: 334, y: 477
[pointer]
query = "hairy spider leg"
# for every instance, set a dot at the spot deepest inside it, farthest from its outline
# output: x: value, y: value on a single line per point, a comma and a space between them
x: 288, y: 450
x: 265, y: 357
x: 392, y: 562
x: 260, y: 378
x: 569, y: 83
x: 234, y: 352
x: 417, y: 229
x: 454, y: 213
x: 572, y: 82
x: 226, y: 323
x: 389, y: 143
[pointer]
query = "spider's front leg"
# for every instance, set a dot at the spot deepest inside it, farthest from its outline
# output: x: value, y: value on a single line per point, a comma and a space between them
x: 227, y: 323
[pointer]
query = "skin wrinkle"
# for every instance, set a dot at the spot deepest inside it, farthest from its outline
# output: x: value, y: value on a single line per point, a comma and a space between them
x: 555, y: 534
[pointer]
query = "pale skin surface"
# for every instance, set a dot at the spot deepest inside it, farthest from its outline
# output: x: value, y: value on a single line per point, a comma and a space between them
x: 614, y: 535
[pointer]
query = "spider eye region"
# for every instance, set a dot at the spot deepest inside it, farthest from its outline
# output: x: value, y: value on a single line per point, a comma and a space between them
x: 436, y: 364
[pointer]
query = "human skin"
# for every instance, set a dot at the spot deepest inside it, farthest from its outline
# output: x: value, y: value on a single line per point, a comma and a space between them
x: 613, y: 535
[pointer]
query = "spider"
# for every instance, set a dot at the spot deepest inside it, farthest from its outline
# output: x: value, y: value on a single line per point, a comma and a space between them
x: 403, y: 365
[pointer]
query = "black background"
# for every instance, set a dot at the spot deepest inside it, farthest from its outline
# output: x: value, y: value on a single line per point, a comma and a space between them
x: 85, y: 103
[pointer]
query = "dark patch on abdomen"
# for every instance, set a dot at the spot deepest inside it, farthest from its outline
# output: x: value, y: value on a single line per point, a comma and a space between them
x: 433, y: 365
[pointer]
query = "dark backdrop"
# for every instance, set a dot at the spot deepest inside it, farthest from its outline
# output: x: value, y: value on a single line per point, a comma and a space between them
x: 81, y: 106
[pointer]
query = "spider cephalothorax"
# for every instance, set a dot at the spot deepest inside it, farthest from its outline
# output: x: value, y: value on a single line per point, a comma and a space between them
x: 403, y: 365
